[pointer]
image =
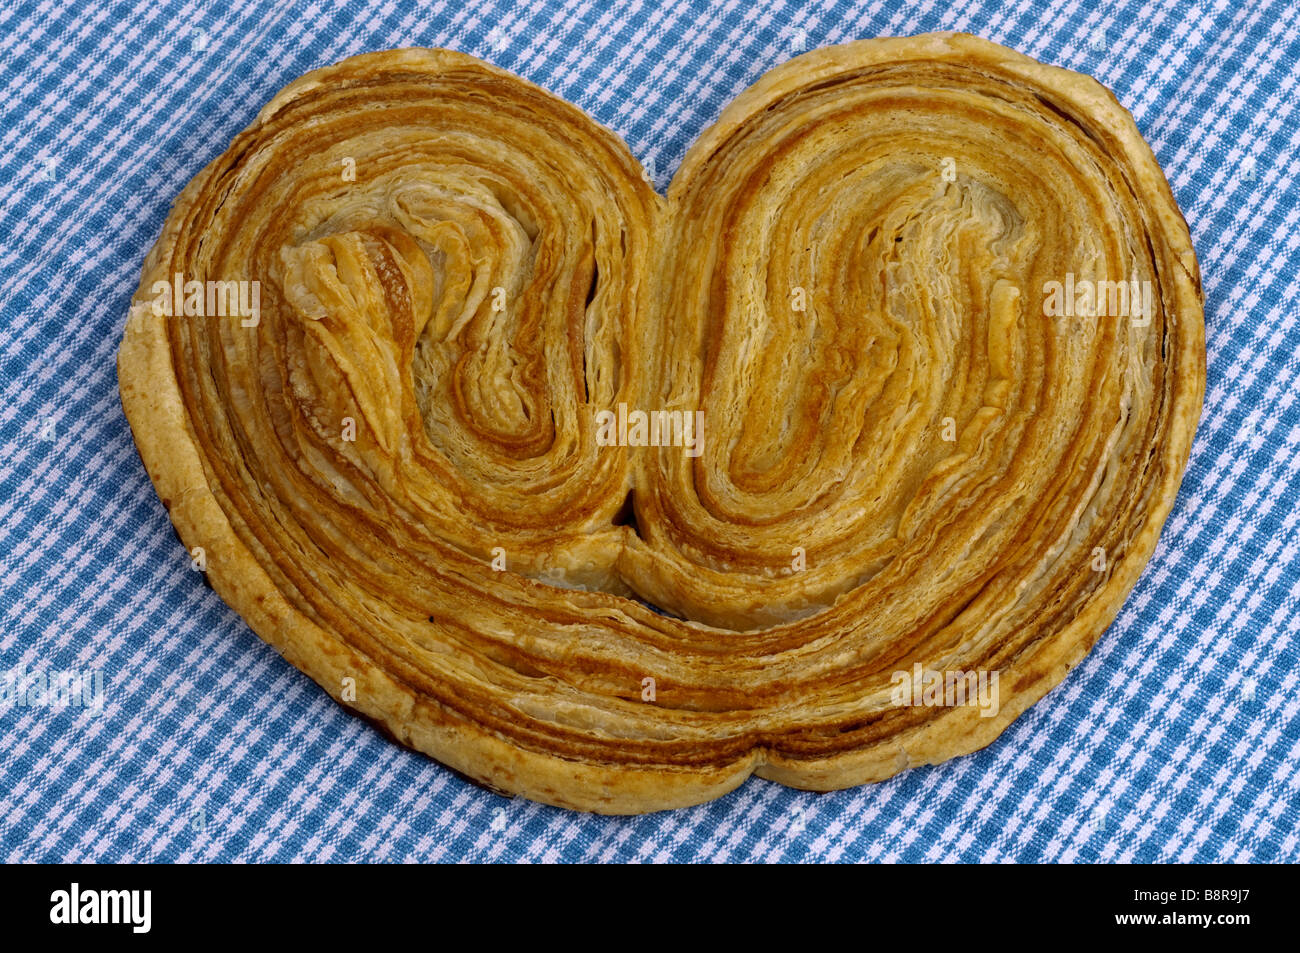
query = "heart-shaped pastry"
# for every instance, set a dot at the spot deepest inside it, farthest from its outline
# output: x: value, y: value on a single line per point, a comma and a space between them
x: 829, y: 464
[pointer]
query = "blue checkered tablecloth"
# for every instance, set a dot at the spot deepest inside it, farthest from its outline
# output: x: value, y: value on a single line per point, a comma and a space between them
x: 1177, y: 739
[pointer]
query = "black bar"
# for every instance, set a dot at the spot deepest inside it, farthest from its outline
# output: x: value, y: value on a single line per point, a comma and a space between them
x: 954, y: 902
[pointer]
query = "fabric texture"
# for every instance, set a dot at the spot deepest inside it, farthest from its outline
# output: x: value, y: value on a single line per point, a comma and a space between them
x: 1177, y: 739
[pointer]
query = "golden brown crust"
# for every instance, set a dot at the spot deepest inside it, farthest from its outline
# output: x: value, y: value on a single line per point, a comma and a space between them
x: 498, y: 273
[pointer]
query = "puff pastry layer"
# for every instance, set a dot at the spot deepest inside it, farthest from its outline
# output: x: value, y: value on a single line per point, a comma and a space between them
x: 905, y: 459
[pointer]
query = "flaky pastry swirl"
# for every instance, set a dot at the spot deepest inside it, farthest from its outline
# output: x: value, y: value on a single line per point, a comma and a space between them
x: 908, y: 458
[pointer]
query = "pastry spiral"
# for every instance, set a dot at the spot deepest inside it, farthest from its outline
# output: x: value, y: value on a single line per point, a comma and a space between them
x: 891, y: 433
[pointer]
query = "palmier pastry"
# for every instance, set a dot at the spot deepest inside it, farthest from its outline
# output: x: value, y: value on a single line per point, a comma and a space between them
x: 612, y: 500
